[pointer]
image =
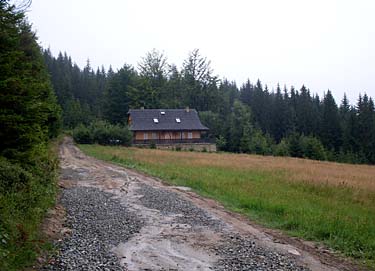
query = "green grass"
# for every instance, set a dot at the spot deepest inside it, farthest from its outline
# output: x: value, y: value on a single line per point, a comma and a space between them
x: 320, y: 212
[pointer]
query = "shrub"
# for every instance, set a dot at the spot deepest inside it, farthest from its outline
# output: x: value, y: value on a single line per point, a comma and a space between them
x: 99, y: 132
x: 82, y: 135
x: 120, y: 135
x: 26, y: 192
x: 152, y: 145
x: 305, y: 147
x: 221, y: 143
x: 312, y: 148
x: 13, y: 178
x: 260, y: 144
x: 103, y: 133
x: 282, y: 149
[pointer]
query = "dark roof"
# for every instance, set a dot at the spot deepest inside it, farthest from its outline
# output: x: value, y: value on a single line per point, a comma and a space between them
x: 143, y: 120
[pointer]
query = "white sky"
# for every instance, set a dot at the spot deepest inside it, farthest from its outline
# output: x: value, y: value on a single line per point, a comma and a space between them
x: 324, y: 44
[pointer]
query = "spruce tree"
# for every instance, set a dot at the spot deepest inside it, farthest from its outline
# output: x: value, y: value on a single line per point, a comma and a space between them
x: 121, y: 95
x: 330, y: 131
x: 29, y: 112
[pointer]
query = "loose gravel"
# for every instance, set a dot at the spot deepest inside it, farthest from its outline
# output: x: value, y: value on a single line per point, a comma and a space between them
x: 168, y: 203
x: 235, y: 252
x: 241, y: 253
x: 98, y: 222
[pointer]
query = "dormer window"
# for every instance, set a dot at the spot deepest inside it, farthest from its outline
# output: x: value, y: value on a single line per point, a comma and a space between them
x: 156, y: 121
x: 178, y: 120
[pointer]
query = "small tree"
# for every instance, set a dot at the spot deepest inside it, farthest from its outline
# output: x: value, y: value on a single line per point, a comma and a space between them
x: 294, y: 144
x: 221, y: 143
x: 259, y: 143
x: 312, y: 148
x: 282, y: 149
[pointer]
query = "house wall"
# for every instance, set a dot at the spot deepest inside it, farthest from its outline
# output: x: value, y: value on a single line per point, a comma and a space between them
x: 167, y: 135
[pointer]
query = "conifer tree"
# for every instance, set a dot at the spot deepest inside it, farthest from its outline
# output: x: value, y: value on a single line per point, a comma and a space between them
x: 365, y: 132
x: 154, y: 71
x: 199, y: 83
x: 330, y: 131
x: 121, y: 95
x: 29, y: 112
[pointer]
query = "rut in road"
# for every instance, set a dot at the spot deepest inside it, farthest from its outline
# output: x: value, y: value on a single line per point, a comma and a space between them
x: 122, y: 220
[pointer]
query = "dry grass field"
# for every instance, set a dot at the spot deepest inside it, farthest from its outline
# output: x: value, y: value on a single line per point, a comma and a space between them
x: 317, y: 172
x: 322, y: 201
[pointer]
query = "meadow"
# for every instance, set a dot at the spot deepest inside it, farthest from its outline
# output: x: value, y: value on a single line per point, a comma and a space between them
x: 326, y: 202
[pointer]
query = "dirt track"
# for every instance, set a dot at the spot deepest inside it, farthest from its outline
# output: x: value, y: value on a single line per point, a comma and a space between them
x: 136, y: 222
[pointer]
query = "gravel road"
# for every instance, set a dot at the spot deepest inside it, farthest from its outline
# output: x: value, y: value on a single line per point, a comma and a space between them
x: 123, y: 220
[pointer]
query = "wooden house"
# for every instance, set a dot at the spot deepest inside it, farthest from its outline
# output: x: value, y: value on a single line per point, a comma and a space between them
x: 166, y: 126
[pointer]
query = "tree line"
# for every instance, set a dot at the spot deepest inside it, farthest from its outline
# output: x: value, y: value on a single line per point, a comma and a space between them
x: 249, y: 118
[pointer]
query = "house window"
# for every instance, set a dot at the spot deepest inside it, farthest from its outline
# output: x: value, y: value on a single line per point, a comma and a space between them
x: 190, y: 135
x: 156, y: 121
x: 154, y: 136
x: 145, y: 136
x: 182, y: 135
x: 178, y: 120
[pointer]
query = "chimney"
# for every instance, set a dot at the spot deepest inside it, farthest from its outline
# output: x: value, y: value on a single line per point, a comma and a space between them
x: 187, y: 109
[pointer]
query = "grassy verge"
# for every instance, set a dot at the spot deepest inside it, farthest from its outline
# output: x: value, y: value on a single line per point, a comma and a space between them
x: 26, y: 192
x: 276, y: 192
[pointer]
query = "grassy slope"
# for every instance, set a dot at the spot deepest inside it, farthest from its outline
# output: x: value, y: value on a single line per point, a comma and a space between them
x: 319, y: 201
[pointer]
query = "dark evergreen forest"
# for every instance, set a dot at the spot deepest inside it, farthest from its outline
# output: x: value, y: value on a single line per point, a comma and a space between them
x: 248, y: 118
x: 29, y: 119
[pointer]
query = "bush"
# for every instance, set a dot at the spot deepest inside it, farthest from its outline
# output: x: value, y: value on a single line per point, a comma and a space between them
x: 221, y: 143
x: 13, y: 178
x: 282, y: 149
x: 26, y: 192
x: 302, y: 146
x: 312, y: 148
x: 260, y: 144
x: 103, y: 133
x: 82, y: 135
x: 119, y: 135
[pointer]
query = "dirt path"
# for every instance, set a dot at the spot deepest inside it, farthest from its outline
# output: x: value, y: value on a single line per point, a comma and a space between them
x: 119, y: 219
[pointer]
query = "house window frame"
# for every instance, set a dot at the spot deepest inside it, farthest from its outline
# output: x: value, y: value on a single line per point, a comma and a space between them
x: 145, y: 136
x: 190, y: 135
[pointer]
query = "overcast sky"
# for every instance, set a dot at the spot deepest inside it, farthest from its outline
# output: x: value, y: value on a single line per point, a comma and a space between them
x: 324, y: 44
